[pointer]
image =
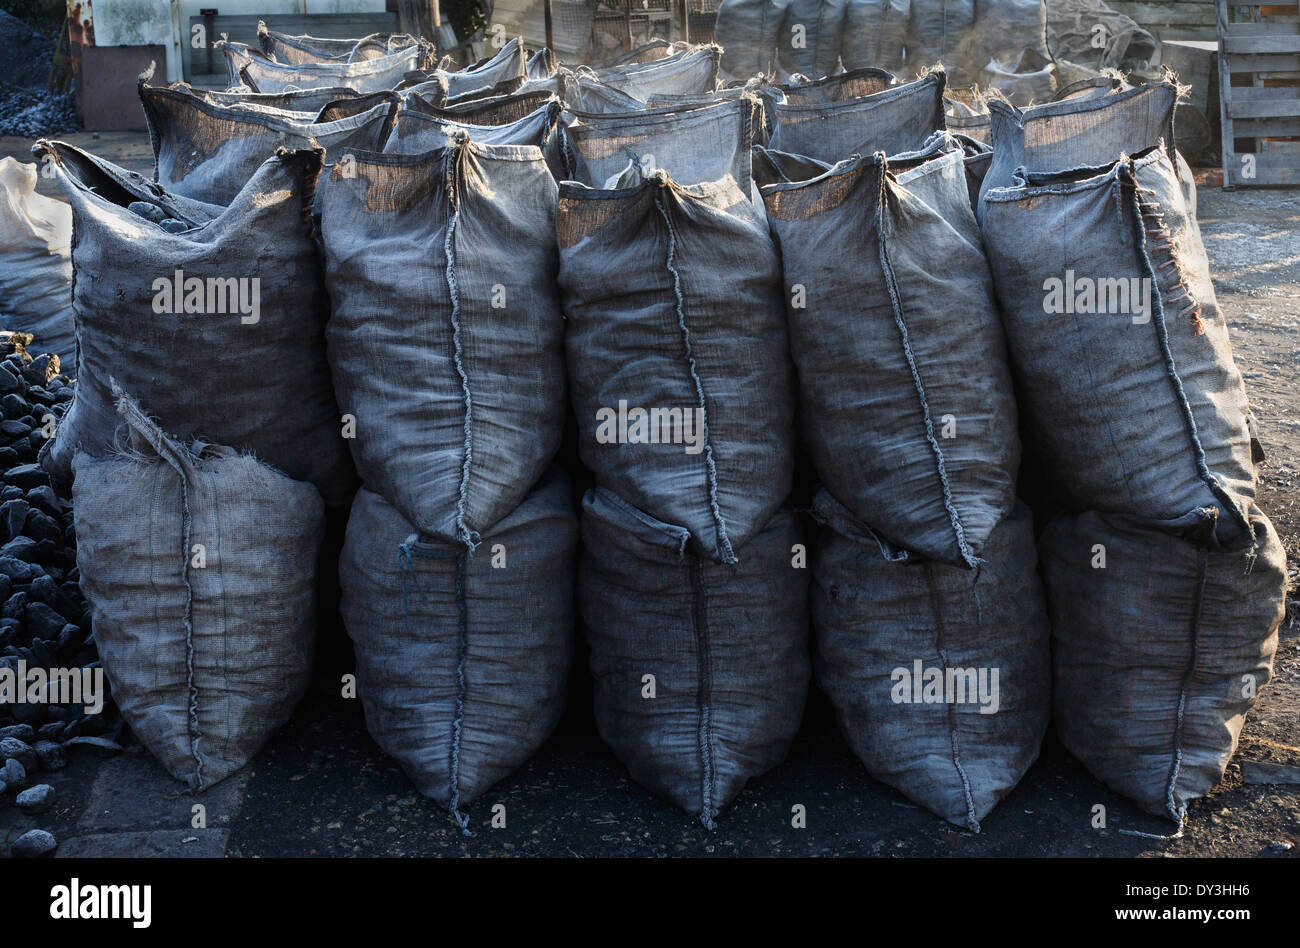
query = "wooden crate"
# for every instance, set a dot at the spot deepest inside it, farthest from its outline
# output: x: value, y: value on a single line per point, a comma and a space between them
x: 1259, y: 92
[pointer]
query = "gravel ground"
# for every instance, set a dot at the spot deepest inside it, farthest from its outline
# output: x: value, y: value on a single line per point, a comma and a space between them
x: 33, y: 113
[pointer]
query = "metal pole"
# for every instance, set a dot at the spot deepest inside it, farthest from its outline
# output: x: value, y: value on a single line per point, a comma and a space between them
x: 435, y: 15
x: 686, y: 20
x: 550, y: 26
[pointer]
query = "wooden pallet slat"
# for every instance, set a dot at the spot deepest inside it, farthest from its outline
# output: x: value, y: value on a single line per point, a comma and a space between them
x: 1270, y: 28
x: 1261, y: 45
x: 1265, y: 108
x: 1257, y: 93
x: 1262, y: 129
x: 1280, y: 62
x: 1282, y: 168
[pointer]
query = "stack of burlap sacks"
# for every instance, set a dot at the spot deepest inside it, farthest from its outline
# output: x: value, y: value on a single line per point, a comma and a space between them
x: 745, y: 288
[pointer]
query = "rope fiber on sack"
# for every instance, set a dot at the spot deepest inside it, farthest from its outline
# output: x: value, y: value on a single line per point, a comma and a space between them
x: 728, y: 555
x: 453, y: 158
x: 135, y: 417
x: 407, y: 552
x: 1129, y: 179
x: 971, y: 822
x: 959, y: 532
x: 704, y: 696
x: 457, y: 723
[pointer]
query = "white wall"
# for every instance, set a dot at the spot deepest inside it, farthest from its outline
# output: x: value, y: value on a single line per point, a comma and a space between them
x: 131, y: 22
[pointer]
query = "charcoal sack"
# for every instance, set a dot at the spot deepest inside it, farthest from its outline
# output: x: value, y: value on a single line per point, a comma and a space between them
x: 1081, y: 132
x: 208, y: 152
x: 907, y: 410
x: 677, y: 353
x: 748, y: 32
x: 1121, y: 353
x: 462, y: 658
x: 937, y: 31
x: 693, y: 143
x: 213, y: 316
x: 1161, y: 639
x: 310, y: 101
x: 897, y: 119
x: 689, y: 71
x: 372, y: 75
x: 298, y: 49
x: 36, y: 264
x: 456, y: 380
x: 507, y: 64
x: 841, y: 87
x: 494, y: 110
x: 587, y: 94
x: 416, y: 131
x: 969, y: 116
x: 777, y: 167
x: 199, y: 566
x: 541, y: 64
x: 874, y: 33
x: 726, y: 646
x: 655, y: 49
x: 940, y: 676
x: 810, y: 37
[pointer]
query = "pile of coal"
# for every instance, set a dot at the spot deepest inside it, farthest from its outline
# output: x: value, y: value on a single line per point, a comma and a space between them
x: 53, y: 693
x: 27, y: 107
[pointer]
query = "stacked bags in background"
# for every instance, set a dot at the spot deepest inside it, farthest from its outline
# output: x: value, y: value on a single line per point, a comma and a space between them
x: 812, y: 125
x: 1165, y: 583
x: 687, y: 71
x: 419, y: 128
x: 854, y: 114
x: 298, y: 50
x: 504, y: 73
x: 205, y: 150
x: 994, y: 43
x: 266, y: 73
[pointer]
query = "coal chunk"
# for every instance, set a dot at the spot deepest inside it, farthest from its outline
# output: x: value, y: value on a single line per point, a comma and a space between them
x: 43, y: 622
x: 21, y: 548
x: 41, y: 526
x: 33, y: 844
x: 13, y: 773
x: 36, y: 799
x: 13, y: 516
x: 26, y: 477
x: 50, y: 754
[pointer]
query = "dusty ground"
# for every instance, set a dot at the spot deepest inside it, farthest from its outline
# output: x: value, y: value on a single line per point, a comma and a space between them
x: 322, y: 788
